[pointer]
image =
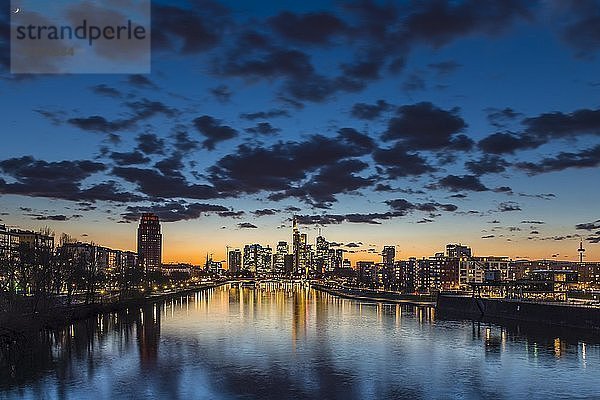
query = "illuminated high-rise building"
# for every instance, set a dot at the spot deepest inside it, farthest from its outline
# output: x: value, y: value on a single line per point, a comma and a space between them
x: 149, y: 244
x: 279, y: 257
x: 388, y: 254
x: 234, y: 262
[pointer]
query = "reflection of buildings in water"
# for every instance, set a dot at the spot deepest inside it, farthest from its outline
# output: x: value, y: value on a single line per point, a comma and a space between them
x: 148, y: 334
x: 424, y: 314
x: 299, y: 316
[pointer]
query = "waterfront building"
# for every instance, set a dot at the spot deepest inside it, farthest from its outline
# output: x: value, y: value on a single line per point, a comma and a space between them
x: 301, y: 250
x: 458, y: 251
x: 323, y: 261
x: 257, y: 259
x: 16, y: 244
x: 149, y: 242
x: 388, y: 255
x: 281, y: 251
x: 234, y: 261
x: 367, y: 274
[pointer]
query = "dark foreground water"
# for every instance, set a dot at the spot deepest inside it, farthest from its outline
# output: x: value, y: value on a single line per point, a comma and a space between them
x: 290, y: 342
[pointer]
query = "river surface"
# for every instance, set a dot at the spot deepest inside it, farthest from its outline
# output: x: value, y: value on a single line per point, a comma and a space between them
x: 286, y: 342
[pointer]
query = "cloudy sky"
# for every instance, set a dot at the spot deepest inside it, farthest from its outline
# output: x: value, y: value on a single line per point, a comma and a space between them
x: 410, y: 123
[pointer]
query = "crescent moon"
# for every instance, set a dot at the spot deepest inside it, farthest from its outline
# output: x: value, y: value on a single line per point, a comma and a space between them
x: 16, y: 11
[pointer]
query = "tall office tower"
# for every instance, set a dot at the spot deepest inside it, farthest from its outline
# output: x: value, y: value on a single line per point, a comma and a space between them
x: 257, y: 259
x: 339, y: 258
x: 458, y: 251
x: 149, y: 243
x: 296, y: 244
x: 279, y: 257
x: 388, y: 254
x: 234, y: 261
x: 322, y: 259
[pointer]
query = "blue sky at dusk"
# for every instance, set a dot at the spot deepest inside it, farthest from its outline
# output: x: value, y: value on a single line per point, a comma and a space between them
x: 409, y: 123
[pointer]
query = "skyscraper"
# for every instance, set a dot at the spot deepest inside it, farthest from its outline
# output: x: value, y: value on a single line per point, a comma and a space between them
x: 234, y: 263
x: 149, y: 242
x: 279, y: 257
x: 388, y: 254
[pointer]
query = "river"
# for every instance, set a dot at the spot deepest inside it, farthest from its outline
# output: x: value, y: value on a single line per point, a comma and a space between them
x: 285, y: 341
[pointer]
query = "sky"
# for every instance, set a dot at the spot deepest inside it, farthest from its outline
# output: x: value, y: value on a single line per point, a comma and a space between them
x: 407, y: 123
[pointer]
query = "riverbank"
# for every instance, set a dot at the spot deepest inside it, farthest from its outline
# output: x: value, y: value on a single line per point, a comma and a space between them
x: 376, y: 295
x: 14, y: 326
x: 557, y: 314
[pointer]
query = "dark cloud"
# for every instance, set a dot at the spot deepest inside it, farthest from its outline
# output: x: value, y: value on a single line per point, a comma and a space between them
x: 129, y: 158
x: 370, y: 111
x: 157, y: 185
x: 141, y: 81
x: 507, y: 142
x: 183, y: 142
x: 584, y: 159
x: 501, y: 117
x: 533, y: 222
x: 426, y: 127
x: 456, y: 183
x: 558, y: 124
x: 141, y: 110
x: 424, y: 221
x: 231, y: 214
x: 221, y: 93
x: 105, y: 90
x: 263, y: 128
x: 404, y: 207
x: 172, y: 211
x: 213, y: 130
x: 59, y: 217
x: 149, y: 143
x: 284, y: 165
x: 318, y: 88
x: 26, y: 168
x: 187, y: 30
x: 593, y: 239
x: 488, y: 164
x: 589, y: 226
x: 508, y: 206
x: 396, y: 162
x: 582, y: 32
x: 488, y: 237
x: 357, y: 218
x: 362, y: 70
x: 311, y: 28
x: 352, y: 244
x: 269, y: 63
x: 265, y: 211
x: 172, y: 165
x: 329, y: 181
x: 246, y: 225
x: 59, y: 180
x: 265, y: 114
x: 543, y: 196
x: 439, y: 22
x: 503, y: 189
x: 97, y: 123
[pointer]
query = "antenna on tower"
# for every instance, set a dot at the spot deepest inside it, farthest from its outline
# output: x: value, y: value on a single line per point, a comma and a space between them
x: 581, y: 250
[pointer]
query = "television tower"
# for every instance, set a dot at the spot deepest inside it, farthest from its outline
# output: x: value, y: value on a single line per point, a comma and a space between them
x: 581, y: 250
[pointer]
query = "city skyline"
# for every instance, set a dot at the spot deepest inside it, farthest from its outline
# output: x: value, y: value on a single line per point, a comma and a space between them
x: 352, y: 251
x: 405, y: 124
